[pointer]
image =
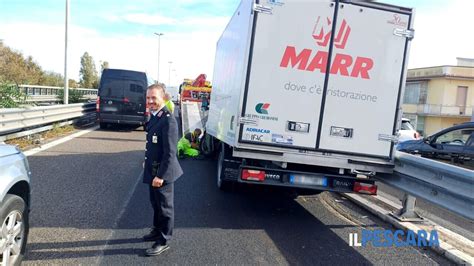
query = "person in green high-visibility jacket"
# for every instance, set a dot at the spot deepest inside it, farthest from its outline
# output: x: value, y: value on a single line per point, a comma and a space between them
x: 188, y: 145
x: 169, y: 102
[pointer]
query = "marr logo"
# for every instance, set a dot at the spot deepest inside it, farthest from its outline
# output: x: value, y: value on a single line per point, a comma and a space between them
x: 262, y: 108
x: 342, y: 64
x: 322, y: 33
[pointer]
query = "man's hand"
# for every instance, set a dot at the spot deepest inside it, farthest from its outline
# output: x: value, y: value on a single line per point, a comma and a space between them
x: 157, y: 182
x: 195, y: 145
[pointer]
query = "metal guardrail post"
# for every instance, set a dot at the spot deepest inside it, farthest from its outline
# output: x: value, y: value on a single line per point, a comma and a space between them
x: 408, y: 213
x: 445, y: 185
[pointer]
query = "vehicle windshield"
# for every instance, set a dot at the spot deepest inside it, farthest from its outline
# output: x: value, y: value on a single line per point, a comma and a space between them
x: 112, y: 88
x: 455, y: 137
x: 406, y: 125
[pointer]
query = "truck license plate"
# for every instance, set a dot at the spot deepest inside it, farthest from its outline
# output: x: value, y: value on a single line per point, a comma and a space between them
x: 301, y: 179
x: 110, y: 109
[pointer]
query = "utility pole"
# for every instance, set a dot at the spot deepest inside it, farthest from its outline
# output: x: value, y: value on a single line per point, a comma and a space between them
x: 169, y: 73
x: 158, y: 72
x: 66, y: 82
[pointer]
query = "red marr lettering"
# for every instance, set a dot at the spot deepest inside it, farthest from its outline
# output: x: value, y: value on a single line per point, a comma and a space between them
x: 340, y: 65
x: 362, y: 66
x: 290, y: 55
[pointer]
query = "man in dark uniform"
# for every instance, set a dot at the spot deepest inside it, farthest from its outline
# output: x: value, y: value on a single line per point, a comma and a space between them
x: 161, y: 168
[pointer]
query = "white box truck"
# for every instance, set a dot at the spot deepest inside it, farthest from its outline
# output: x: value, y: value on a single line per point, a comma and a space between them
x: 307, y: 94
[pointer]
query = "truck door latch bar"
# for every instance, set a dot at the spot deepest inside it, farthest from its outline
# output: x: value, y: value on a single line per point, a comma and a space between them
x: 409, y: 34
x: 262, y: 9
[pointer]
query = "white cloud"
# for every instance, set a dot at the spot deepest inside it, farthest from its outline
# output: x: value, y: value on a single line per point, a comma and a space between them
x: 44, y: 42
x: 206, y: 23
x: 442, y: 35
x: 147, y: 19
x: 110, y: 18
x: 156, y: 19
x: 191, y: 53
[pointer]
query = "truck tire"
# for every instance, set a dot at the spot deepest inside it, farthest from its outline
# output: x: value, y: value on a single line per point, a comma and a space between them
x: 14, y: 228
x: 207, y: 145
x: 222, y: 184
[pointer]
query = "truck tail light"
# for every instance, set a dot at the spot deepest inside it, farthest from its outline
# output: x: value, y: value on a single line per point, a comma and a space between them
x: 126, y: 100
x: 97, y: 104
x: 370, y: 189
x: 253, y: 175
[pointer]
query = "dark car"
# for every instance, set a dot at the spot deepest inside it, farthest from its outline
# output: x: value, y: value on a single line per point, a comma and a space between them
x: 122, y: 97
x: 455, y: 144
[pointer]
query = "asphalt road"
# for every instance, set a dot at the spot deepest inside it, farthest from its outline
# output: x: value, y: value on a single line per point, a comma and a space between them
x: 89, y: 207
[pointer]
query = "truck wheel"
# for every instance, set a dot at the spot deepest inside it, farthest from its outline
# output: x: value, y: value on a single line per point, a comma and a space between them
x: 222, y: 184
x: 207, y: 145
x: 14, y: 229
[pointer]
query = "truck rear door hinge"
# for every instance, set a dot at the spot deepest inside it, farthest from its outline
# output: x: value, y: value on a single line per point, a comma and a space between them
x: 262, y: 9
x: 390, y: 138
x: 409, y: 34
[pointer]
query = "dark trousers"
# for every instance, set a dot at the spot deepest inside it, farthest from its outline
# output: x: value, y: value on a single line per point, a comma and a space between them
x: 163, y: 210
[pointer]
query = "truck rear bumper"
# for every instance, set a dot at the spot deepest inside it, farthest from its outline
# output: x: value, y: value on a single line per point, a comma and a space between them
x: 121, y: 119
x: 319, y: 159
x: 305, y: 180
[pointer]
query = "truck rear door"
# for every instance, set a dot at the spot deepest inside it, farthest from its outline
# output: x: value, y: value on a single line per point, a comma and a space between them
x: 111, y: 96
x: 300, y: 100
x: 363, y: 90
x: 283, y: 92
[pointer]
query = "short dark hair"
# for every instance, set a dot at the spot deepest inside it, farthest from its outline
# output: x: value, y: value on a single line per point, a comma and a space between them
x: 160, y: 87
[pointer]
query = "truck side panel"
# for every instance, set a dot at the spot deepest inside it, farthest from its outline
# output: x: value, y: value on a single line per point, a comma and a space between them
x: 230, y: 75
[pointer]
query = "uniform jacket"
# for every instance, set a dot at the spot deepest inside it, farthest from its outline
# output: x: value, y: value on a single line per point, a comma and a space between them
x: 160, y: 152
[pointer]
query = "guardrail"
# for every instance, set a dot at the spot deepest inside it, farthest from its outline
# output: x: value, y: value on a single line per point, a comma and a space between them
x: 39, y: 93
x: 445, y: 185
x: 17, y: 119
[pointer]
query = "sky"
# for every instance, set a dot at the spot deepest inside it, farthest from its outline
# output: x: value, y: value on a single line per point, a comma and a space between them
x: 122, y: 32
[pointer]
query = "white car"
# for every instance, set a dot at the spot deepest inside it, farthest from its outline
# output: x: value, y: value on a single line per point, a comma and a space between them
x: 407, y: 131
x: 14, y: 204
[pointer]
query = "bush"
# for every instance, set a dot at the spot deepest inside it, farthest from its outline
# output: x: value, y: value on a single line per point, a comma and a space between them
x: 75, y: 96
x: 10, y: 96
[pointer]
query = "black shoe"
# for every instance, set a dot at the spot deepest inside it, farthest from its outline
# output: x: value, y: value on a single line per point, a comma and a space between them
x: 156, y: 250
x: 152, y: 236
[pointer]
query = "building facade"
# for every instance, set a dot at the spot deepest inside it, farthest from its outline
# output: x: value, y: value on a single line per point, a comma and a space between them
x: 439, y: 97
